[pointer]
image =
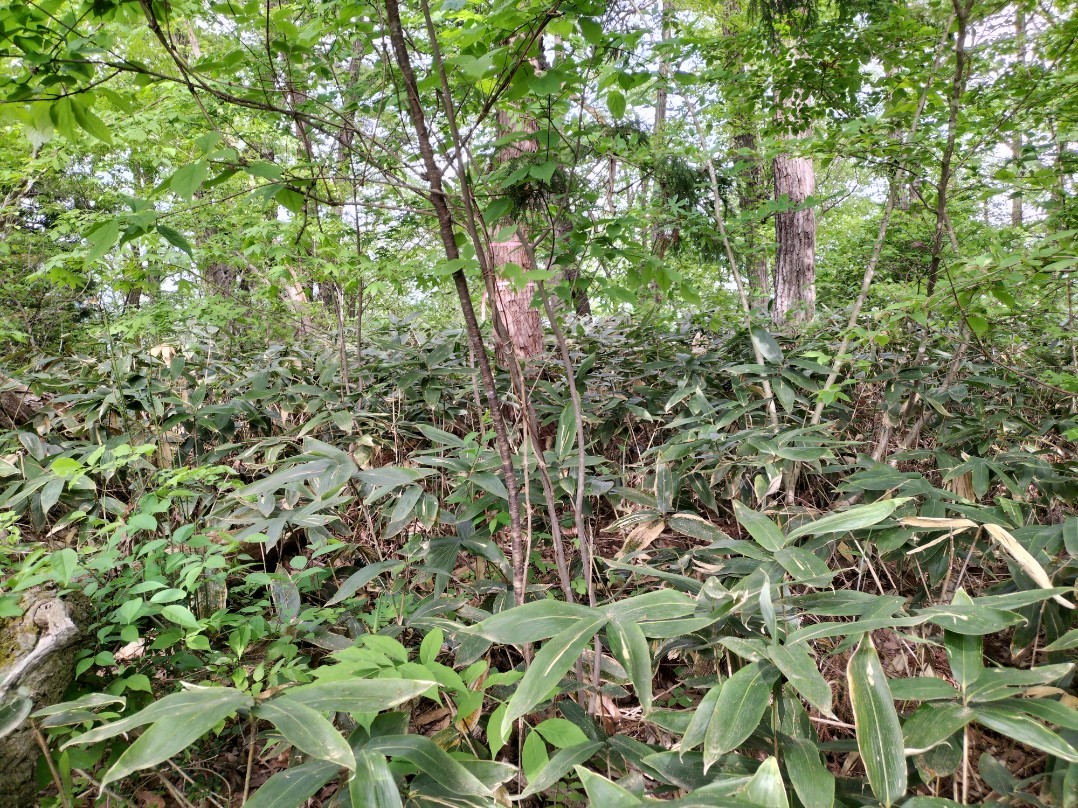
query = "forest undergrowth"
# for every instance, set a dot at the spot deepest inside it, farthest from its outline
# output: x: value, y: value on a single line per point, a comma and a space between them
x: 299, y: 580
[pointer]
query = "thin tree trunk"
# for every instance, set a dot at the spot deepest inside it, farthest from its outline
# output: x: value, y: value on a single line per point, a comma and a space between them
x: 1016, y: 142
x: 449, y: 243
x: 961, y: 13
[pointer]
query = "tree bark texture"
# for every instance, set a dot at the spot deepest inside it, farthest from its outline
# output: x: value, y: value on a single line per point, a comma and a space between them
x: 795, y: 241
x: 37, y: 663
x: 521, y: 318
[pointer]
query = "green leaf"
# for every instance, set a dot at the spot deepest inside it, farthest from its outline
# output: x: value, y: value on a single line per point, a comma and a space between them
x: 630, y: 648
x: 293, y: 786
x: 603, y: 792
x: 801, y: 672
x: 701, y: 718
x: 964, y: 651
x: 552, y: 662
x: 91, y: 124
x: 566, y: 437
x: 665, y: 488
x: 689, y: 524
x: 102, y: 239
x: 615, y: 102
x: 561, y: 733
x: 971, y: 619
x: 558, y: 766
x: 532, y: 622
x: 354, y: 582
x: 765, y: 532
x: 290, y: 200
x: 879, y: 736
x: 175, y: 238
x: 431, y: 646
x: 373, y: 785
x: 804, y: 566
x: 766, y: 788
x: 177, y: 731
x: 307, y: 730
x: 533, y: 755
x: 932, y: 724
x: 358, y: 695
x: 854, y: 519
x: 180, y: 615
x: 64, y: 564
x: 1015, y: 725
x: 432, y: 760
x: 813, y: 783
x: 742, y: 701
x: 767, y: 346
x: 187, y: 180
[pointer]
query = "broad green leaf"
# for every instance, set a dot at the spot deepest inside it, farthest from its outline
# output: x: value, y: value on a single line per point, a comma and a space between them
x: 1017, y: 726
x: 178, y: 731
x: 373, y: 785
x: 701, y: 718
x: 879, y: 736
x: 661, y: 604
x: 971, y: 619
x: 358, y: 695
x: 630, y: 648
x: 804, y: 566
x: 553, y: 661
x: 765, y: 532
x: 813, y: 783
x: 393, y: 476
x: 829, y: 629
x: 292, y: 787
x: 533, y: 754
x: 90, y: 123
x: 561, y: 733
x: 665, y: 487
x: 854, y: 519
x: 932, y: 724
x: 800, y: 670
x: 430, y: 759
x: 532, y: 622
x: 964, y: 651
x: 187, y: 180
x: 354, y: 582
x: 922, y: 688
x: 615, y: 102
x: 307, y: 730
x: 605, y: 793
x: 742, y: 701
x: 1048, y: 710
x: 766, y: 788
x: 566, y: 436
x: 102, y: 239
x: 180, y: 615
x: 689, y: 524
x: 767, y: 345
x: 559, y: 766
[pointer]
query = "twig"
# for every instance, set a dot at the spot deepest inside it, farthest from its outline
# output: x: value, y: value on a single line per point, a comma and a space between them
x: 64, y: 799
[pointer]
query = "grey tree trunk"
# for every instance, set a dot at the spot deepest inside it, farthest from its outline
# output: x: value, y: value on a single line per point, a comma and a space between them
x: 795, y: 241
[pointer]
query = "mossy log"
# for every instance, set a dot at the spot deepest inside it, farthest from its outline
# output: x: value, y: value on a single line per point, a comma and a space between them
x: 37, y: 663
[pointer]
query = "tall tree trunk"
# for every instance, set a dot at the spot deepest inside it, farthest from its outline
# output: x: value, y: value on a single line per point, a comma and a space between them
x: 795, y: 240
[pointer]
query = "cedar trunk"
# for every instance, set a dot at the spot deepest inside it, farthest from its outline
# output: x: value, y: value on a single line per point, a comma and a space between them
x: 795, y: 241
